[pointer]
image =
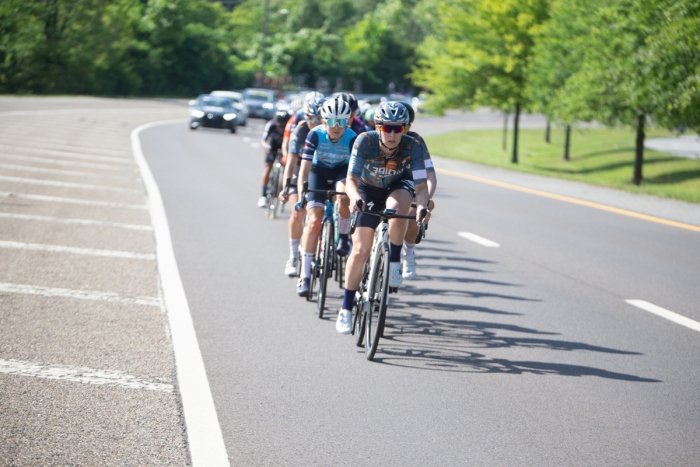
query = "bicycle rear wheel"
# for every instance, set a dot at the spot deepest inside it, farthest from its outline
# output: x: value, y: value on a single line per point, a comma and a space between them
x: 273, y: 190
x: 326, y: 261
x: 377, y: 298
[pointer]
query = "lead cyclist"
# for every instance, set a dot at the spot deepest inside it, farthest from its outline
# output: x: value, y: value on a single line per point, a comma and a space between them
x: 386, y: 169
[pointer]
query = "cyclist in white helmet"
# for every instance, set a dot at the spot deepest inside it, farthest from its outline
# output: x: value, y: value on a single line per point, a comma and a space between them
x: 325, y: 165
x: 296, y: 115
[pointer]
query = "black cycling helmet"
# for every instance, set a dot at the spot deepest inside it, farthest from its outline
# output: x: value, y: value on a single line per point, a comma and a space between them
x: 350, y: 99
x: 411, y: 112
x: 282, y: 117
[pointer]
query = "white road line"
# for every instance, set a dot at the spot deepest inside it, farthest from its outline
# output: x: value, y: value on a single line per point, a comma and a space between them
x: 246, y: 140
x: 255, y: 145
x: 204, y: 436
x: 480, y: 240
x: 32, y: 113
x: 80, y: 375
x: 58, y: 199
x: 28, y: 168
x: 82, y: 186
x: 68, y: 155
x: 664, y: 313
x: 33, y: 144
x: 76, y: 251
x: 60, y: 220
x: 78, y: 294
x: 48, y: 160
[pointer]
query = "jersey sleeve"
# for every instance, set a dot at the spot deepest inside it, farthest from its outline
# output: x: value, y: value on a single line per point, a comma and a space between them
x: 266, y: 131
x: 295, y: 143
x: 429, y: 167
x: 358, y: 156
x: 310, y: 146
x: 418, y: 169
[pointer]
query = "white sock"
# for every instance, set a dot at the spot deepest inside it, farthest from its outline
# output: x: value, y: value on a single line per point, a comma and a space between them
x: 294, y: 247
x: 408, y: 248
x: 306, y: 260
x: 343, y: 225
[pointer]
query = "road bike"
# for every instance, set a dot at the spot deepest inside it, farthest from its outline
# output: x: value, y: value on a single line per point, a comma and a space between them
x: 274, y: 185
x: 372, y: 297
x: 326, y: 260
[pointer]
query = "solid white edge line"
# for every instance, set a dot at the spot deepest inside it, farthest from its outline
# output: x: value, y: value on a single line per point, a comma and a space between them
x: 477, y: 239
x: 667, y: 314
x: 204, y: 436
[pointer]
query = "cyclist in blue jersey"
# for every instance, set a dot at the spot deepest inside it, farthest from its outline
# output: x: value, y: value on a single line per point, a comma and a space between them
x: 312, y: 119
x: 408, y: 263
x: 271, y: 143
x: 325, y: 164
x: 386, y: 169
x: 357, y: 125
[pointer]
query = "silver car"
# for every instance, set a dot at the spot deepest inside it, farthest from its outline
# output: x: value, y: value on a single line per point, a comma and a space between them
x: 261, y: 102
x: 238, y: 103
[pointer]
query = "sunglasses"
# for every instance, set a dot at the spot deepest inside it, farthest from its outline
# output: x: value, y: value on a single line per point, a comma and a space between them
x: 314, y: 119
x: 392, y: 128
x: 341, y: 122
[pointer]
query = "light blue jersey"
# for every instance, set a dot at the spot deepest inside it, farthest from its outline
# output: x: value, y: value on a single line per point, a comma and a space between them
x: 323, y: 152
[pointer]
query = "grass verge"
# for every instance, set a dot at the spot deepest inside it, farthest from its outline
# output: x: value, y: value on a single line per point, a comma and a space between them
x: 599, y: 156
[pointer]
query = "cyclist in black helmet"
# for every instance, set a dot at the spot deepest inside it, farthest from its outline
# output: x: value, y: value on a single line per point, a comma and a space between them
x: 271, y: 143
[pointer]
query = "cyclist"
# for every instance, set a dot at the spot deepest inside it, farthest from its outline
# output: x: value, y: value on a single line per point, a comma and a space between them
x: 356, y: 124
x: 271, y: 143
x: 409, y: 256
x: 296, y: 116
x: 325, y: 165
x: 312, y: 118
x: 386, y: 169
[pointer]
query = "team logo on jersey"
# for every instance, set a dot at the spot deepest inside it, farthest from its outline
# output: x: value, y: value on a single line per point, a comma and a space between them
x: 370, y: 205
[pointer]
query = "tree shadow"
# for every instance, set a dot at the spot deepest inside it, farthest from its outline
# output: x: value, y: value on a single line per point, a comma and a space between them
x: 673, y: 177
x: 603, y: 168
x: 414, y: 341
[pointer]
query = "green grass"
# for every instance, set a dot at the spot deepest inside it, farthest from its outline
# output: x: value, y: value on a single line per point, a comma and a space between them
x: 600, y: 156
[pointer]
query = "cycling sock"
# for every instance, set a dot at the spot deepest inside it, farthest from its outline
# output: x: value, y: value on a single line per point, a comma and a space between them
x: 348, y: 299
x: 394, y: 253
x: 294, y: 247
x: 306, y: 260
x: 408, y: 248
x: 343, y: 225
x: 264, y: 190
x: 344, y: 237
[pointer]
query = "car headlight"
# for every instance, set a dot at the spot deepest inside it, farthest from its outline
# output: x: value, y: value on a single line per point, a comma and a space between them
x: 229, y: 117
x: 267, y: 105
x: 197, y: 114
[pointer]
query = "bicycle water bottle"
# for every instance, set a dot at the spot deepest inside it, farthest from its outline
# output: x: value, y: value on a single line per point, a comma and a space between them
x: 329, y: 211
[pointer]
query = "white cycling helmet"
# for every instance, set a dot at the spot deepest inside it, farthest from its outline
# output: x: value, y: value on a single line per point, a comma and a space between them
x: 296, y: 105
x: 313, y: 95
x: 336, y: 108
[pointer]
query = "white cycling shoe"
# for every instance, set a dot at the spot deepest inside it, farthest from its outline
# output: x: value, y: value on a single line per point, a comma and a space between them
x: 292, y: 267
x: 344, y: 322
x: 395, y: 277
x: 262, y: 201
x: 409, y: 266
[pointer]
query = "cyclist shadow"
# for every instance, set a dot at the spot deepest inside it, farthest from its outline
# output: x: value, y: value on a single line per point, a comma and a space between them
x: 412, y: 340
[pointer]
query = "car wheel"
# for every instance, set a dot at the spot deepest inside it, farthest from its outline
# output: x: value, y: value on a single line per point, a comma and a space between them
x: 194, y: 125
x: 233, y: 128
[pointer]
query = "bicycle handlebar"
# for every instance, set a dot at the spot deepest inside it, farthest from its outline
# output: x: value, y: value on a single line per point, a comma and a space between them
x: 305, y: 189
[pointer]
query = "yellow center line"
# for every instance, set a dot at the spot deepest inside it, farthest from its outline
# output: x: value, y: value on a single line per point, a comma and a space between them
x: 568, y: 199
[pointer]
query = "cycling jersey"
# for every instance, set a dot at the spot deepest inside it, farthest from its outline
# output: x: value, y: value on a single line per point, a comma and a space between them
x: 292, y: 123
x: 429, y: 167
x: 368, y: 164
x: 298, y: 138
x: 272, y: 135
x: 358, y: 126
x: 324, y: 153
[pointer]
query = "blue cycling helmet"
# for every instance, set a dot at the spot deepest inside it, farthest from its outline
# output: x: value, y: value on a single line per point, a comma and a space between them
x: 312, y: 107
x: 391, y: 113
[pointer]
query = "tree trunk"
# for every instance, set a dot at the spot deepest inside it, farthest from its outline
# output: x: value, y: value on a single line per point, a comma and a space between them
x: 567, y: 142
x: 516, y: 123
x: 639, y: 151
x: 505, y: 129
x: 546, y: 132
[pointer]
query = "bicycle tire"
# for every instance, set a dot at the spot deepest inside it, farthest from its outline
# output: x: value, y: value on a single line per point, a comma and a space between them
x: 358, y: 318
x: 377, y: 302
x: 278, y: 188
x: 326, y: 259
x: 314, y: 270
x: 341, y: 270
x: 272, y: 192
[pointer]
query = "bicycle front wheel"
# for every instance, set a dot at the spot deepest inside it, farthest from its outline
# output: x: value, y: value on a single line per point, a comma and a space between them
x: 273, y: 190
x: 378, y: 296
x: 326, y: 260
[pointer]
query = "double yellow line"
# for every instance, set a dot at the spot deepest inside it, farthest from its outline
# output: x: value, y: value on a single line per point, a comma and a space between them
x: 568, y: 199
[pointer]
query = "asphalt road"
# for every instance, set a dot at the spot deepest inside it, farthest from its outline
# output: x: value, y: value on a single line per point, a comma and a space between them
x: 525, y: 354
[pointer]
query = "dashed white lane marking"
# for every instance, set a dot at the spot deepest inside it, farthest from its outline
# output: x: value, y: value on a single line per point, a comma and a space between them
x: 58, y: 199
x: 49, y: 160
x: 80, y: 375
x: 76, y: 251
x: 82, y: 186
x: 68, y: 155
x: 667, y: 314
x: 33, y: 144
x: 206, y: 443
x: 59, y: 220
x: 477, y: 239
x: 246, y: 140
x: 27, y: 168
x: 255, y: 145
x: 78, y: 294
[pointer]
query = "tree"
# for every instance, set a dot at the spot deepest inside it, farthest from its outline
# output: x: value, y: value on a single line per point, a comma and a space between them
x: 481, y: 55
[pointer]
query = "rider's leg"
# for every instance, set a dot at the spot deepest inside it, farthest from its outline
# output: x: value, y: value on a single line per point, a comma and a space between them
x: 343, y: 221
x: 408, y: 265
x: 399, y: 199
x: 267, y: 168
x: 309, y: 239
x: 296, y: 226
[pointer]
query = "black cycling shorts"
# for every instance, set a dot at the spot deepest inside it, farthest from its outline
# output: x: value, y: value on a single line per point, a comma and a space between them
x: 375, y: 200
x: 324, y: 179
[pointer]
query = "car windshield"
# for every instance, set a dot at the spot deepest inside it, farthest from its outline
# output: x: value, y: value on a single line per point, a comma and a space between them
x: 258, y: 96
x: 216, y: 101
